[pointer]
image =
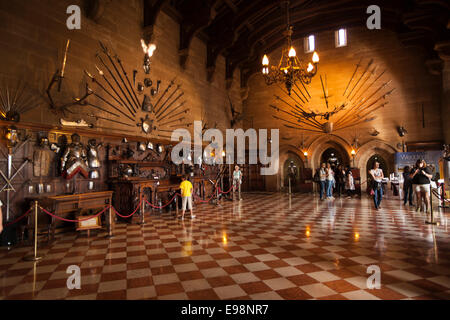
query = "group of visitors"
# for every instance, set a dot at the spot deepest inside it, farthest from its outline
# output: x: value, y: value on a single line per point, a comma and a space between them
x: 415, y: 180
x: 338, y: 180
x: 418, y: 180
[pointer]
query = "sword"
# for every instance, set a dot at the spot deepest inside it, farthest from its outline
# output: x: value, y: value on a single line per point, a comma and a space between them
x: 8, y: 182
x: 324, y: 93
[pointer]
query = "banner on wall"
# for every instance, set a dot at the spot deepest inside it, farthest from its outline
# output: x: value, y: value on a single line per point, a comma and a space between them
x: 403, y: 159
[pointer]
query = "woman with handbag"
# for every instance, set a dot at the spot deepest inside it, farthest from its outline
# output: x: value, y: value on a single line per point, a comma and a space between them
x: 377, y: 187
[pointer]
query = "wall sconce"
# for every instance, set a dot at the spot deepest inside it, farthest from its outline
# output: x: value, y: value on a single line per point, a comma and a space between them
x: 305, y: 154
x: 353, y: 153
x: 11, y: 137
x: 148, y: 50
x: 223, y: 153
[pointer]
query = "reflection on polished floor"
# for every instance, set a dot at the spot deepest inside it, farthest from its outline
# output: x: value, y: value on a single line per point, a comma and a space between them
x: 268, y: 246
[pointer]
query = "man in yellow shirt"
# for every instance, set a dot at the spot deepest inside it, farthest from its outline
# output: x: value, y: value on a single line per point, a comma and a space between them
x: 186, y: 196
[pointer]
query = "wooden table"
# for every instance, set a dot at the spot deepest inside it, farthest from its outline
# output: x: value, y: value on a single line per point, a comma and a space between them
x: 64, y: 204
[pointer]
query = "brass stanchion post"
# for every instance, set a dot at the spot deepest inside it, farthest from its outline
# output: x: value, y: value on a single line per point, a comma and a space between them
x: 110, y: 223
x: 142, y: 211
x: 35, y: 257
x: 431, y: 221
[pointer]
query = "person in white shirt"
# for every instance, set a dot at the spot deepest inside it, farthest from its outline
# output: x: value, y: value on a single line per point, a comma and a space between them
x: 330, y: 181
x: 377, y: 176
x: 323, y: 179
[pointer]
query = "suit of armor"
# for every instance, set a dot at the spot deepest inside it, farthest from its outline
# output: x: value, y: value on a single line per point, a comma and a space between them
x: 74, y: 159
x: 93, y: 159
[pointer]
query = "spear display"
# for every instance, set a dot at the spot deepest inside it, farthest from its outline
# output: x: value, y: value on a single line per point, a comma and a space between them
x: 101, y: 86
x: 164, y: 93
x: 362, y: 104
x: 117, y: 83
x: 370, y: 85
x: 106, y: 51
x: 362, y: 75
x: 170, y: 104
x: 170, y: 97
x: 103, y: 118
x: 123, y: 103
x: 172, y: 121
x: 306, y: 90
x: 126, y: 77
x: 353, y: 75
x: 371, y: 73
x: 167, y: 114
x: 113, y: 106
x: 298, y: 88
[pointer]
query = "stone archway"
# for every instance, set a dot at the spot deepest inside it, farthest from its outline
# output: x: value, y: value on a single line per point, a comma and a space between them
x: 320, y: 145
x: 276, y: 182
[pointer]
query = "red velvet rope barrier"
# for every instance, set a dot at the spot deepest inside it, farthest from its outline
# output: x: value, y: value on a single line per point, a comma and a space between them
x: 165, y: 205
x: 18, y: 219
x: 110, y: 206
x: 135, y: 210
x: 68, y: 220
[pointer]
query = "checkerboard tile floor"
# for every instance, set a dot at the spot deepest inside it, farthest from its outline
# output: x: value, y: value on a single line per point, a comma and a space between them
x: 267, y: 246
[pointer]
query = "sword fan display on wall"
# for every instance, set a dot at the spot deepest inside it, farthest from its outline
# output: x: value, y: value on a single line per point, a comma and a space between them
x: 362, y: 96
x: 156, y: 112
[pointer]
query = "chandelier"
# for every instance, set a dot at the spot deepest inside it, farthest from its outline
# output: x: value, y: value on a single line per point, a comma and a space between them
x: 290, y: 69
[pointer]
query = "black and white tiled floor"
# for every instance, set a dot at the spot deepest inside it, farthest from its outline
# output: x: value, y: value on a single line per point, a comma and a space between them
x: 267, y: 246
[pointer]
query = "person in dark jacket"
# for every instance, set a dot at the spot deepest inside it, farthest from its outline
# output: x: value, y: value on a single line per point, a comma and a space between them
x: 407, y: 186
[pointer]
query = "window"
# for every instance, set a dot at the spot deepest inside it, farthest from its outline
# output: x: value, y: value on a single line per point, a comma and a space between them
x: 341, y: 38
x: 310, y: 44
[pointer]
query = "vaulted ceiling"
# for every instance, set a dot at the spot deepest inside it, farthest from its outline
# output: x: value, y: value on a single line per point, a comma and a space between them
x: 243, y: 30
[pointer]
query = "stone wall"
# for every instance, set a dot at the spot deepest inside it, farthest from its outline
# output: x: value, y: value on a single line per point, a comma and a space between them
x: 413, y: 85
x: 33, y: 36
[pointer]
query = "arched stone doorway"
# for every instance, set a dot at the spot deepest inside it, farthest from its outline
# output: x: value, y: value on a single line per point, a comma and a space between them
x: 334, y: 157
x: 293, y: 168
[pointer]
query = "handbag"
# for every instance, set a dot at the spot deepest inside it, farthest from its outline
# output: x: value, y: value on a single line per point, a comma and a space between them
x: 371, y: 192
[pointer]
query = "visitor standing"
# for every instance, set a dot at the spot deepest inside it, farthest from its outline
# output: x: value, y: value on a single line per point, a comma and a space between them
x: 421, y: 178
x: 186, y: 196
x: 340, y: 180
x: 237, y: 180
x: 323, y: 179
x: 349, y: 184
x: 407, y: 186
x: 377, y: 178
x: 330, y: 181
